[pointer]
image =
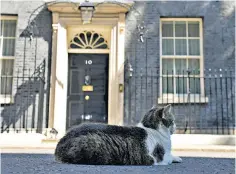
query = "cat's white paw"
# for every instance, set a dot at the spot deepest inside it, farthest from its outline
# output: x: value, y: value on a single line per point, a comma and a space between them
x: 161, y: 163
x: 177, y: 159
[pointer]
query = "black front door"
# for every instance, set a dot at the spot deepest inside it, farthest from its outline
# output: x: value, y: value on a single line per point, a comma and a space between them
x: 87, y: 99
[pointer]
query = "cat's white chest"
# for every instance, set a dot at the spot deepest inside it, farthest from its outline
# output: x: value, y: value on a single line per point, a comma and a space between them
x: 151, y: 142
x: 162, y: 138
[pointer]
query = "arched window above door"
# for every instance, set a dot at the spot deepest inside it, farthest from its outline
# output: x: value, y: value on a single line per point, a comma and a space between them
x: 88, y: 40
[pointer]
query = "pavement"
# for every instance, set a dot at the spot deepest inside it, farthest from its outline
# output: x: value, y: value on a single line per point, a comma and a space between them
x: 31, y: 154
x: 27, y: 163
x: 39, y: 159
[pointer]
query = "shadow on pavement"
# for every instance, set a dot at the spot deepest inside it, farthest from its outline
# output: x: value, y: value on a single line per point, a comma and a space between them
x: 45, y: 163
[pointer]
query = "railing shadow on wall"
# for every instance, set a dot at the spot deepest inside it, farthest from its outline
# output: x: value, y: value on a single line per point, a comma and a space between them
x: 28, y: 109
x: 202, y: 104
x: 25, y: 110
x: 37, y: 39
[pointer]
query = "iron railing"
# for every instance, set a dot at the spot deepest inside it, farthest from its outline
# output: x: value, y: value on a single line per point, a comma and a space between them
x: 203, y: 102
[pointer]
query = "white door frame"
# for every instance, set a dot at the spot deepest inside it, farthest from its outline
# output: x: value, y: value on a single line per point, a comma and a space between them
x: 59, y: 67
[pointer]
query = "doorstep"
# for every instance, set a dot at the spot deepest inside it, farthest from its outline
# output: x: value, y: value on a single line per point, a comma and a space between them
x: 204, y: 148
x: 50, y: 140
x: 180, y: 142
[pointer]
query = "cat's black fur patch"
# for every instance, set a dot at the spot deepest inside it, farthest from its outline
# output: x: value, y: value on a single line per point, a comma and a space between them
x: 167, y: 122
x: 159, y: 152
x: 102, y: 144
x: 152, y: 118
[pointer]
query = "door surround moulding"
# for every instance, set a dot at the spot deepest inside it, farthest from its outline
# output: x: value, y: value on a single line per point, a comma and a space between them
x: 58, y: 97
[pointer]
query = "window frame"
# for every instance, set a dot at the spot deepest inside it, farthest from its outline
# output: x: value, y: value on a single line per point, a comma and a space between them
x: 7, y: 98
x: 174, y: 97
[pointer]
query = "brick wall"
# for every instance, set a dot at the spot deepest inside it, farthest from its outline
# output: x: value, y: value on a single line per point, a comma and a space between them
x: 219, y: 52
x: 29, y: 55
x: 218, y: 47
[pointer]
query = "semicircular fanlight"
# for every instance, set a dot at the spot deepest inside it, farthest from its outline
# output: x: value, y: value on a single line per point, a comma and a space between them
x: 88, y: 40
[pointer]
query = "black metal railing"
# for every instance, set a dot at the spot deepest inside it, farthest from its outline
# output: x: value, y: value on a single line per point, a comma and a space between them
x: 23, y: 102
x: 203, y: 102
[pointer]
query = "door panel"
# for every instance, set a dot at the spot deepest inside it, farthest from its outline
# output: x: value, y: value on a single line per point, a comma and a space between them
x: 87, y: 106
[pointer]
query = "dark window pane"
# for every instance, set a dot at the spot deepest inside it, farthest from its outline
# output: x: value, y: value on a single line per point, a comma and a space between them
x: 74, y: 46
x: 167, y: 85
x: 76, y: 40
x: 180, y: 47
x: 181, y: 85
x: 9, y: 28
x: 82, y: 36
x: 167, y: 29
x: 6, y: 85
x: 194, y: 66
x: 89, y: 34
x: 167, y: 66
x: 167, y: 47
x: 180, y: 66
x: 180, y: 29
x: 8, y: 47
x: 194, y: 47
x: 95, y: 37
x: 195, y: 85
x: 103, y: 46
x: 193, y: 29
x: 7, y: 67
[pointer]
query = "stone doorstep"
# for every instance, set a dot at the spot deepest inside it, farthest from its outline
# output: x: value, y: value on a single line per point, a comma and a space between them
x: 205, y: 148
x: 50, y: 140
x: 26, y: 147
x: 46, y: 143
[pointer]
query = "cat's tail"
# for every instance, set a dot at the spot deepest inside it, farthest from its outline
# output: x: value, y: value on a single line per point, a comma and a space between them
x: 74, y: 150
x: 63, y: 151
x: 83, y: 149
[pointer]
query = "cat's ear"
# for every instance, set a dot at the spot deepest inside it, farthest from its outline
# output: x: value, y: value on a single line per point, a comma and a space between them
x: 159, y: 113
x: 153, y: 107
x: 167, y: 109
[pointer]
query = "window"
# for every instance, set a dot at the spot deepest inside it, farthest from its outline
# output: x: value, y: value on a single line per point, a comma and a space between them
x: 181, y: 50
x: 88, y: 40
x: 7, y: 46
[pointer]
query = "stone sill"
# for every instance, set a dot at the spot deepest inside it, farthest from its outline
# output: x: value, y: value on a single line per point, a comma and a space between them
x: 6, y: 99
x: 182, y: 99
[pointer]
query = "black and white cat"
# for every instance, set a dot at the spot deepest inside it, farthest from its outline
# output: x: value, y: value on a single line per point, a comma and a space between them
x: 148, y: 143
